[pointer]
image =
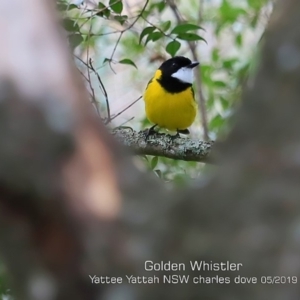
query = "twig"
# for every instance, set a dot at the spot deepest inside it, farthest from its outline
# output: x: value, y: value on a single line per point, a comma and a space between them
x: 89, y: 77
x: 175, y: 10
x: 86, y: 80
x: 83, y: 75
x: 126, y: 29
x: 157, y: 28
x: 93, y: 12
x: 141, y: 13
x: 119, y: 113
x: 114, y: 50
x: 200, y: 11
x: 202, y: 100
x: 126, y: 122
x: 102, y: 87
x: 81, y: 60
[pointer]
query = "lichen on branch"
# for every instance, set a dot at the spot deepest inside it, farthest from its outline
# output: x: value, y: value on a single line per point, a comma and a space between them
x: 161, y: 144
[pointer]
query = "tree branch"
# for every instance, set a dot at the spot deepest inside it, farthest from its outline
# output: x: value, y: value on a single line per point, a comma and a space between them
x: 160, y: 144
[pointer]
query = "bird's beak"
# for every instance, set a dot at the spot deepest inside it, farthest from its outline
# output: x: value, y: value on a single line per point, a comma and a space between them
x: 193, y: 65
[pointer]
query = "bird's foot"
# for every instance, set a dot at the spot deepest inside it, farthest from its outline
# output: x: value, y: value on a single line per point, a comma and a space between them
x: 150, y: 131
x: 177, y: 135
x: 183, y: 131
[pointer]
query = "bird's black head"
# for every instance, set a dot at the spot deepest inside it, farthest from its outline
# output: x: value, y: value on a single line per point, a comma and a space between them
x: 177, y: 74
x: 172, y: 65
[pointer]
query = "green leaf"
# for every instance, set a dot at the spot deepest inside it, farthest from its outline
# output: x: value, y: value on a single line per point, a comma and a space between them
x: 145, y: 32
x: 158, y: 173
x: 239, y: 39
x: 190, y: 37
x: 210, y: 102
x: 182, y: 28
x: 90, y: 40
x: 116, y: 6
x: 173, y: 47
x: 127, y: 61
x: 244, y: 70
x: 256, y: 4
x: 220, y: 84
x: 228, y: 64
x: 224, y: 102
x: 254, y: 21
x: 70, y: 25
x: 121, y: 19
x: 106, y: 60
x: 230, y: 13
x: 75, y: 40
x: 215, y: 55
x: 154, y: 162
x: 101, y: 5
x: 154, y: 36
x: 62, y: 6
x: 206, y: 71
x: 165, y: 26
x: 145, y: 157
x: 216, y: 123
x: 104, y: 11
x: 72, y: 6
x: 161, y: 5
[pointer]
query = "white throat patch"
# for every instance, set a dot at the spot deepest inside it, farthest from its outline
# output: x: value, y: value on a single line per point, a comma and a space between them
x: 185, y: 75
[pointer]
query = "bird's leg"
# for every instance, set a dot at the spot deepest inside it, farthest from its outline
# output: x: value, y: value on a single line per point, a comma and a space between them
x: 150, y: 131
x: 177, y: 135
x: 183, y: 131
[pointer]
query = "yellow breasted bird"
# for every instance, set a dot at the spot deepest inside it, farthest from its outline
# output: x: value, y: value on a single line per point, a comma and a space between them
x: 169, y: 96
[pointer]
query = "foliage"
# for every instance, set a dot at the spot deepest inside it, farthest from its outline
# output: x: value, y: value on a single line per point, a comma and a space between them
x: 224, y: 34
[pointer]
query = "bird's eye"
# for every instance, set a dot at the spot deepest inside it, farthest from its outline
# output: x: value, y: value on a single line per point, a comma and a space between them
x: 174, y: 64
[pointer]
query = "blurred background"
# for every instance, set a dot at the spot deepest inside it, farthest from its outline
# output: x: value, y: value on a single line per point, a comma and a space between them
x: 117, y: 57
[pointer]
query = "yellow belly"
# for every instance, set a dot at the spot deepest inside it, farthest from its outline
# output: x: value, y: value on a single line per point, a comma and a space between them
x: 170, y: 111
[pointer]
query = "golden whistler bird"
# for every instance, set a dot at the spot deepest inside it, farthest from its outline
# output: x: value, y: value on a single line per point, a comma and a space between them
x: 169, y: 96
